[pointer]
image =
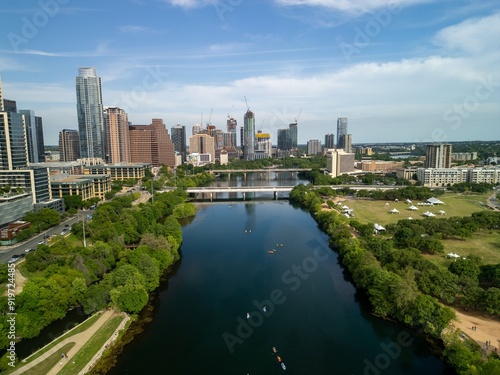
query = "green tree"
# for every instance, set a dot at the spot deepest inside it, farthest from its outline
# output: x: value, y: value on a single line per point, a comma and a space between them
x: 130, y: 298
x: 466, y: 267
x: 184, y: 210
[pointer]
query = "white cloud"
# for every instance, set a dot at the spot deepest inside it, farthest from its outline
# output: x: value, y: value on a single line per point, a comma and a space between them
x: 475, y: 36
x: 190, y: 3
x: 350, y: 6
x: 228, y: 47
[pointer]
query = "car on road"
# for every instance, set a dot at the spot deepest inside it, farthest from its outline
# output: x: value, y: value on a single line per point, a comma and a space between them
x: 29, y: 250
x: 15, y: 258
x: 66, y: 225
x: 41, y: 242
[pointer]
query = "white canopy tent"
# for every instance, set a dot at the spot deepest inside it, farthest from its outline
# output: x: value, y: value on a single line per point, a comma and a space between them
x: 413, y: 208
x: 394, y: 211
x: 428, y: 214
x: 434, y: 201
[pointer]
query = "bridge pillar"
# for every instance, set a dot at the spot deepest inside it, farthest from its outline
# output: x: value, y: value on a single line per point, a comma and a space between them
x: 244, y: 175
x: 211, y: 197
x: 276, y: 175
x: 243, y: 195
x: 229, y: 176
x: 276, y: 195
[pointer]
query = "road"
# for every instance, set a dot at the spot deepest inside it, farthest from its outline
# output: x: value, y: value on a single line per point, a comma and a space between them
x: 6, y: 252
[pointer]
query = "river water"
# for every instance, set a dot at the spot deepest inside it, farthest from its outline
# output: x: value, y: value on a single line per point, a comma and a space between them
x: 314, y: 317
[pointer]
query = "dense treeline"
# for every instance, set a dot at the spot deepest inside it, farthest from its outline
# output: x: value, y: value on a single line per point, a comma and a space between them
x: 419, y: 193
x: 108, y: 273
x: 401, y: 284
x: 467, y: 186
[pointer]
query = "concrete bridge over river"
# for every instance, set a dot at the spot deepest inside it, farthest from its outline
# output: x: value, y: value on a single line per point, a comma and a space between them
x: 211, y: 192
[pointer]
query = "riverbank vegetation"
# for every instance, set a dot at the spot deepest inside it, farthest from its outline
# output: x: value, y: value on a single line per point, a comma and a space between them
x: 402, y: 284
x: 132, y: 248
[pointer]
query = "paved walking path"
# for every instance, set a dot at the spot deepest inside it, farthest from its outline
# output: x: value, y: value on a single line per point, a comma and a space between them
x: 79, y: 339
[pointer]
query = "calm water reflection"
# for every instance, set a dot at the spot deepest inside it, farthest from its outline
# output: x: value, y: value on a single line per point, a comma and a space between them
x: 314, y: 317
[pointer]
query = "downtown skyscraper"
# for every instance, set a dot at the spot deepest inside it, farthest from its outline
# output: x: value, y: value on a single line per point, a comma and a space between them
x: 90, y: 114
x: 117, y: 137
x: 248, y: 135
x: 341, y: 130
x: 178, y: 134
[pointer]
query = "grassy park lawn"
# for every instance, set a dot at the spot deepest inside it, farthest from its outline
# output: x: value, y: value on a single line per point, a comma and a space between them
x: 377, y: 211
x: 45, y: 366
x: 484, y: 244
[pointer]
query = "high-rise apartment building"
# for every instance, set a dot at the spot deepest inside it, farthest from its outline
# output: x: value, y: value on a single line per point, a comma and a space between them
x: 9, y: 105
x: 117, y: 137
x: 345, y: 142
x: 294, y: 135
x: 339, y: 162
x: 31, y: 134
x: 90, y: 114
x: 284, y: 140
x: 13, y: 148
x: 438, y: 156
x: 314, y: 147
x: 197, y: 129
x: 40, y: 139
x: 263, y: 146
x: 202, y: 144
x: 218, y: 139
x: 341, y: 129
x: 249, y: 135
x: 330, y: 140
x: 69, y: 145
x: 151, y: 144
x: 178, y: 134
x: 232, y: 126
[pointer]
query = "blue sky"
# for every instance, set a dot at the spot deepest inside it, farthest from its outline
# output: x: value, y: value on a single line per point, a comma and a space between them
x: 407, y: 70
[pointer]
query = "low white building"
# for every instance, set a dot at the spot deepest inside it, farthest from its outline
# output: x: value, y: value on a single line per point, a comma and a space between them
x: 441, y: 177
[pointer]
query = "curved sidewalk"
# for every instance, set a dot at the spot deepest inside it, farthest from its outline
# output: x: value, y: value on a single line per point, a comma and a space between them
x: 79, y: 339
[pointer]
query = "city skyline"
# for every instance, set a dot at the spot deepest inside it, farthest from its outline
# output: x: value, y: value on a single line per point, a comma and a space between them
x: 394, y: 78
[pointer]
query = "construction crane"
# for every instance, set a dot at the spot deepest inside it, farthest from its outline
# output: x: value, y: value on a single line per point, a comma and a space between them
x: 210, y: 118
x: 297, y: 118
x: 260, y: 129
x: 248, y: 108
